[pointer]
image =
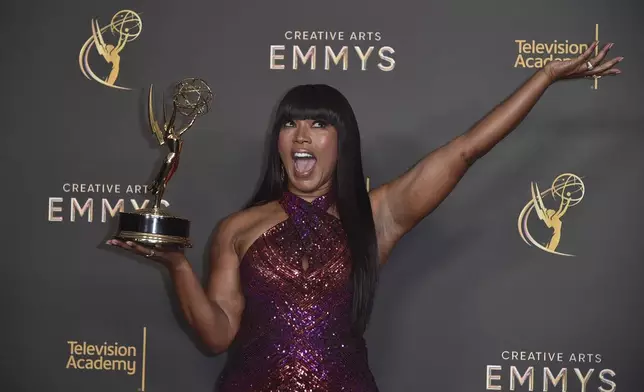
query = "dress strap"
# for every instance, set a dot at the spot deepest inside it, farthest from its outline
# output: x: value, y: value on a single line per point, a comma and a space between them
x: 311, y: 221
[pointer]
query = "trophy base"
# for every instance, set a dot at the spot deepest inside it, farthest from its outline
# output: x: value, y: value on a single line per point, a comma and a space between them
x: 154, y: 226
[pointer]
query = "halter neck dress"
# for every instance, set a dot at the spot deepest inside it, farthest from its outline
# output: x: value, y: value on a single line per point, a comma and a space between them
x: 295, y: 333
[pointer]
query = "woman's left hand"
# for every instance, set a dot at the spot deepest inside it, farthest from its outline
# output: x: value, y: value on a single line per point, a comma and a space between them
x: 584, y: 66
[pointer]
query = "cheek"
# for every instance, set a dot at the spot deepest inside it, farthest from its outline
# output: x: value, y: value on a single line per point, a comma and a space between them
x: 329, y: 144
x: 283, y: 143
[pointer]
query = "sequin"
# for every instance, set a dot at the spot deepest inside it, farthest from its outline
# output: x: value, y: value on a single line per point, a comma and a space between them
x: 295, y: 332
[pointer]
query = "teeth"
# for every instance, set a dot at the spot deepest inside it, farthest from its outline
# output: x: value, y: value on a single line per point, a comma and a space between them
x: 303, y: 155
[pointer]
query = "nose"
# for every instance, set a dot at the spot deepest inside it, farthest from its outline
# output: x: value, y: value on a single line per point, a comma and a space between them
x: 302, y: 134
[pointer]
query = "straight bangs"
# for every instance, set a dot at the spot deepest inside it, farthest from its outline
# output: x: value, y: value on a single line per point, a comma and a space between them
x: 309, y: 103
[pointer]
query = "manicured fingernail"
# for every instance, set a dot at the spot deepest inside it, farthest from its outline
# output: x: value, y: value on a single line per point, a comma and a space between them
x: 130, y: 243
x: 610, y: 45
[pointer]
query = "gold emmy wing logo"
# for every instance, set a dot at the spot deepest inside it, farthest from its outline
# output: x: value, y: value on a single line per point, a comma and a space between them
x: 567, y: 190
x: 125, y: 27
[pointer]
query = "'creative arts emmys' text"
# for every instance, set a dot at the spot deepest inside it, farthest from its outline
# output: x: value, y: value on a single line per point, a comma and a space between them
x: 328, y: 50
x: 544, y: 371
x: 81, y: 202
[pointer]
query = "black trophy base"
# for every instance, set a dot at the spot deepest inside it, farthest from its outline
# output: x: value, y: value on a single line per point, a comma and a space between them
x: 154, y: 226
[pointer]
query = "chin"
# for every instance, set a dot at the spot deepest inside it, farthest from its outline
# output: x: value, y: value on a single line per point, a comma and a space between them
x: 307, y: 185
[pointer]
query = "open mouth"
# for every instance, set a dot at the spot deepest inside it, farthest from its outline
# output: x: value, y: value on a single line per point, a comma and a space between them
x: 304, y: 163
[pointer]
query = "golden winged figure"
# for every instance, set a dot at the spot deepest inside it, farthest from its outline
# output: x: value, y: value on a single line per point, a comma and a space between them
x: 110, y: 53
x: 550, y: 217
x: 192, y: 99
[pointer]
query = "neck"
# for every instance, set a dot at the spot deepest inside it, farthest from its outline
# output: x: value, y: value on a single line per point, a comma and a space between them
x: 310, y: 195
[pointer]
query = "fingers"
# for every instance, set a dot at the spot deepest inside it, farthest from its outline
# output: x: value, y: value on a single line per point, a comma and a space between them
x: 135, y: 248
x: 608, y: 72
x: 593, y: 68
x: 607, y: 66
x: 600, y: 56
x: 584, y: 57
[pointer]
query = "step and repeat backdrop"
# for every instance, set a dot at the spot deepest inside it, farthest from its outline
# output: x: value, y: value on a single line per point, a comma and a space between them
x: 527, y: 278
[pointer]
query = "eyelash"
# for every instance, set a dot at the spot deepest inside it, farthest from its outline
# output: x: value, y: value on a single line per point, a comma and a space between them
x: 321, y: 124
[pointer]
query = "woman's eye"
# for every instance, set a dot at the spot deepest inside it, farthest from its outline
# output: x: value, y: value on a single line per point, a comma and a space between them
x: 319, y: 124
x: 288, y: 124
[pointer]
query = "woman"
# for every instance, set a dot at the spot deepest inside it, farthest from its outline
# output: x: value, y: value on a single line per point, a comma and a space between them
x: 294, y: 274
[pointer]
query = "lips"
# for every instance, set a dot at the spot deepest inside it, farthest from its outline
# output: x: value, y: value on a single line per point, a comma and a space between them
x: 303, y: 162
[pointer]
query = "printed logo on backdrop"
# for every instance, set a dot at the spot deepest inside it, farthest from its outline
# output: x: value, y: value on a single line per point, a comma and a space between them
x: 81, y: 202
x: 101, y: 53
x: 547, y: 371
x: 548, y: 209
x: 535, y: 54
x: 332, y: 50
x: 113, y: 358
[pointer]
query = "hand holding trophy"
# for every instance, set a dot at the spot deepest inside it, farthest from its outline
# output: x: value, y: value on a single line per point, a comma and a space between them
x: 155, y: 225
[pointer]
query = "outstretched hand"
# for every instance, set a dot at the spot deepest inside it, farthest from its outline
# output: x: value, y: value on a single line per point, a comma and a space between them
x: 169, y: 258
x: 584, y: 66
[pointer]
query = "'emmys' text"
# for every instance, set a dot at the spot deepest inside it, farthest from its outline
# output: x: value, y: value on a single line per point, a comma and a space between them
x: 76, y: 205
x: 540, y: 372
x: 328, y: 57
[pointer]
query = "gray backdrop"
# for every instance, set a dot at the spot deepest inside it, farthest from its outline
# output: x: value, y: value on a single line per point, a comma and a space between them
x: 460, y: 293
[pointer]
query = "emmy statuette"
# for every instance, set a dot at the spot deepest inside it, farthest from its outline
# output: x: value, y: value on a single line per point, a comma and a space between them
x: 156, y: 225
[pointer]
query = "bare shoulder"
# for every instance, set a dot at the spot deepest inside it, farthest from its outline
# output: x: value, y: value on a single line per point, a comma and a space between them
x: 242, y: 228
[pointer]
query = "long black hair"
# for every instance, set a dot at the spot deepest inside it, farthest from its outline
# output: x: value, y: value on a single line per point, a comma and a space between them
x: 324, y: 103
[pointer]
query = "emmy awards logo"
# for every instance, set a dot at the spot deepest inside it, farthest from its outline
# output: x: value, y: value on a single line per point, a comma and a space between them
x: 127, y: 26
x: 567, y: 190
x: 156, y: 225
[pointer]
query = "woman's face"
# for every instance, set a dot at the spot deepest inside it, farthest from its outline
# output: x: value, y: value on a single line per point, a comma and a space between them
x: 309, y: 151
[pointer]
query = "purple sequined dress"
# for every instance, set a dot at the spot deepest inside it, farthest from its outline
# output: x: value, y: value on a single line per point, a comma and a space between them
x: 295, y: 332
